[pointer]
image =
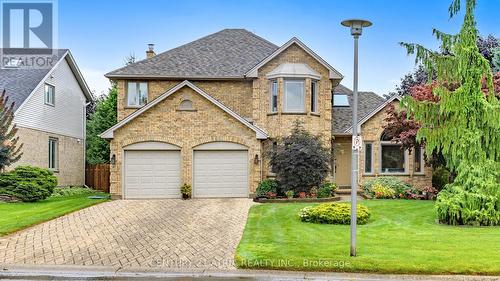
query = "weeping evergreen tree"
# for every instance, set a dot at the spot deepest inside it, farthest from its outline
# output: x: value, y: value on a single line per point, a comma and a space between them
x: 463, y: 123
x: 9, y: 151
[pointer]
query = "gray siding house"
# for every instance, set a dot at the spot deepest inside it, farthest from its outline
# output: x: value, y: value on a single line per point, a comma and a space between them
x: 50, y: 114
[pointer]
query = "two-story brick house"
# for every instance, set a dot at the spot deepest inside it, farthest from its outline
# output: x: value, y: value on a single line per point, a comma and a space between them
x: 204, y: 113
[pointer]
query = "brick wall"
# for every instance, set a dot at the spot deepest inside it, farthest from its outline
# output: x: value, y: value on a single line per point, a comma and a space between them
x: 371, y: 132
x: 186, y: 129
x: 236, y: 95
x: 36, y: 153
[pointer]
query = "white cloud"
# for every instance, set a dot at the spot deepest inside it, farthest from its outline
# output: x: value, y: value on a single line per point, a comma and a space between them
x: 96, y: 81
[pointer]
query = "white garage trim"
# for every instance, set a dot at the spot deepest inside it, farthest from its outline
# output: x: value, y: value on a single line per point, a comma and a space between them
x: 220, y: 145
x: 151, y: 145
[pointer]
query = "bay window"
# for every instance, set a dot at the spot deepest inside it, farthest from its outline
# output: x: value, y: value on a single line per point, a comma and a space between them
x: 293, y: 100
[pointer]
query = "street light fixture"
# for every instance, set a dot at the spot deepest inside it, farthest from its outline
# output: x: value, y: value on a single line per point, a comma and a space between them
x: 356, y: 26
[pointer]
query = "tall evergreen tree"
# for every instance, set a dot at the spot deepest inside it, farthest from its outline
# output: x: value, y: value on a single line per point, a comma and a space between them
x: 9, y: 151
x: 464, y: 125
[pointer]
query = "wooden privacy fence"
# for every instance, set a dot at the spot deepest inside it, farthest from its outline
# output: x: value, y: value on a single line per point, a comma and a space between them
x: 97, y: 176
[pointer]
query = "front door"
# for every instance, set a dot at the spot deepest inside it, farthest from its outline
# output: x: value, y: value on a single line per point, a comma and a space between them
x: 342, y: 154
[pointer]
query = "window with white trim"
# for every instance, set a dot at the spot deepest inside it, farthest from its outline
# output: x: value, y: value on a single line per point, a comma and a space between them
x: 273, y: 96
x: 418, y: 165
x: 314, y: 96
x: 53, y: 154
x: 137, y: 94
x: 49, y: 94
x: 392, y: 156
x: 368, y: 158
x: 293, y: 100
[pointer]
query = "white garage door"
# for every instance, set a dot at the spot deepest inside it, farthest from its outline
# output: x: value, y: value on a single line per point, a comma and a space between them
x: 220, y: 173
x: 152, y: 174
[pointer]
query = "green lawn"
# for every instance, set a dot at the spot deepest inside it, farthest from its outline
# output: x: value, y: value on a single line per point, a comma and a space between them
x: 401, y: 237
x: 15, y: 216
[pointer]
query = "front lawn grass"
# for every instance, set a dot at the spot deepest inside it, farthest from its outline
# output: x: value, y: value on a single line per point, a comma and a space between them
x: 16, y: 216
x: 402, y: 236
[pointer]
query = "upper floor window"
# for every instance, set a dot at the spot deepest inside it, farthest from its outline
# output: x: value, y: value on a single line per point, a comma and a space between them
x: 137, y: 94
x: 293, y: 100
x: 49, y: 94
x: 274, y: 96
x: 314, y: 96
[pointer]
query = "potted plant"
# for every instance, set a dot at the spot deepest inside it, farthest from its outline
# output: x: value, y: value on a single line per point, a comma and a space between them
x: 186, y: 191
x: 313, y: 192
x: 289, y: 194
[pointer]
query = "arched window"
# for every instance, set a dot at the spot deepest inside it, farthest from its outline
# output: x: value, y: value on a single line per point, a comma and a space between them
x: 392, y: 156
x: 386, y: 136
x: 186, y: 105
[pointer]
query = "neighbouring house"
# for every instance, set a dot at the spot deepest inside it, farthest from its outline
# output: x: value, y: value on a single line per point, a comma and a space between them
x: 205, y: 113
x: 49, y: 112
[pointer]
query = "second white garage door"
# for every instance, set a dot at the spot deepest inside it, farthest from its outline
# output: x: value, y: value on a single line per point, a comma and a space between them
x: 220, y: 173
x: 152, y: 174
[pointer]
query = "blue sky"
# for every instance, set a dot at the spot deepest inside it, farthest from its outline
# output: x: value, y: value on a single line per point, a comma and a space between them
x: 101, y: 33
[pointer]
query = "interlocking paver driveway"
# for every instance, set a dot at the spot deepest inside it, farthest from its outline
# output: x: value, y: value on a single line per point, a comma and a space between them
x: 170, y: 233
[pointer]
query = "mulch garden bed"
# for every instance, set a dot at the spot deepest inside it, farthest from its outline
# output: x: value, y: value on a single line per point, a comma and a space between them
x: 295, y: 200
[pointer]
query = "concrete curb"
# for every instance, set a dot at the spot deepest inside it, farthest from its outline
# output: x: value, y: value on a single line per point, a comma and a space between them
x: 77, y: 272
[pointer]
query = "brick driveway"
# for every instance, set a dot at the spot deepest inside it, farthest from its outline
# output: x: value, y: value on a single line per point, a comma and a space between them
x: 171, y: 233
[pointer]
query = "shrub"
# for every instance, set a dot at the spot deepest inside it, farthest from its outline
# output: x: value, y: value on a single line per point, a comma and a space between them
x: 71, y: 191
x: 300, y: 161
x: 186, y: 191
x: 333, y: 213
x: 326, y: 190
x: 394, y: 183
x: 289, y: 194
x: 383, y: 192
x: 428, y: 192
x: 266, y: 186
x: 440, y: 177
x: 27, y: 183
x: 473, y: 198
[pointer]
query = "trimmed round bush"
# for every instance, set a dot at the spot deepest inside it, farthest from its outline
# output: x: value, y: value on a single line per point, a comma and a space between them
x: 266, y: 186
x: 28, y: 183
x: 333, y: 213
x: 326, y: 190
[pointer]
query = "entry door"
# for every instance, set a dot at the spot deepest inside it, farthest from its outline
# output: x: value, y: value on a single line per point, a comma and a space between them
x: 343, y: 164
